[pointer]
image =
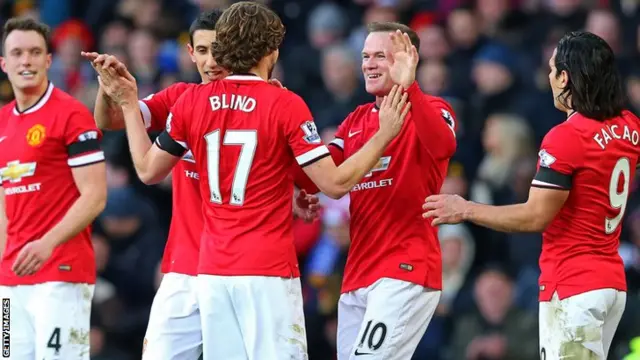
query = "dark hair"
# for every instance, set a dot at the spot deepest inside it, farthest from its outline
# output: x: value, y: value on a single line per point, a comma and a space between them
x: 392, y: 27
x: 246, y: 33
x: 594, y: 86
x: 205, y: 21
x: 27, y: 24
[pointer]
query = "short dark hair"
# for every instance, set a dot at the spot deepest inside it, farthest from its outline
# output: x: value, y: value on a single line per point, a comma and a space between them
x: 246, y: 33
x: 205, y: 21
x: 27, y: 24
x: 595, y: 85
x: 392, y: 27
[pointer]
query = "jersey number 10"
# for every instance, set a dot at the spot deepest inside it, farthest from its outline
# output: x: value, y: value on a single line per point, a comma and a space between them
x: 618, y: 200
x: 248, y: 139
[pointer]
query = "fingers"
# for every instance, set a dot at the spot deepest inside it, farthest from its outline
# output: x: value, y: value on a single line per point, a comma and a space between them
x: 385, y: 100
x: 402, y: 102
x: 406, y: 42
x: 25, y: 263
x: 434, y: 198
x: 89, y: 55
x: 405, y: 112
x: 397, y: 97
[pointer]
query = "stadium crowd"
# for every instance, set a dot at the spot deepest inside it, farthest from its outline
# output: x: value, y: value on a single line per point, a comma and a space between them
x: 488, y: 58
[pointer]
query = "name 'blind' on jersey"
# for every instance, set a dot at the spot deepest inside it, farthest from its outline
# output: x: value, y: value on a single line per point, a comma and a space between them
x: 245, y: 135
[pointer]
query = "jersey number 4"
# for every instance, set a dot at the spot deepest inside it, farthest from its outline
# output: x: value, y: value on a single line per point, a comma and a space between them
x: 248, y: 139
x: 618, y: 200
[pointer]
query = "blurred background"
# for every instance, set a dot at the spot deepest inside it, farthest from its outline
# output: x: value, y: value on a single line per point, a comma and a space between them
x: 488, y: 58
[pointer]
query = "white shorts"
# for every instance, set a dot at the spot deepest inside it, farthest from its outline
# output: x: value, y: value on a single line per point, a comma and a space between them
x: 384, y: 321
x: 174, y: 330
x: 580, y: 326
x: 48, y: 321
x: 252, y: 318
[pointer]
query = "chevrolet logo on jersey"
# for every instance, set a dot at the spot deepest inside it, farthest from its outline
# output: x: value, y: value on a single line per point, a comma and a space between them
x: 14, y: 172
x: 381, y: 165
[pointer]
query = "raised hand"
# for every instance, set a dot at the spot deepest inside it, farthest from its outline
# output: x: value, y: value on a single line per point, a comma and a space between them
x: 114, y: 78
x: 403, y: 59
x: 393, y: 111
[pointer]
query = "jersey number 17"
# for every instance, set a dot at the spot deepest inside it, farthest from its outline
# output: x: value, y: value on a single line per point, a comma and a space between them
x: 248, y: 139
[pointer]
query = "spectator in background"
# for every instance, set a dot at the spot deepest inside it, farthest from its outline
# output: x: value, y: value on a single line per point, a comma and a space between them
x: 498, y: 330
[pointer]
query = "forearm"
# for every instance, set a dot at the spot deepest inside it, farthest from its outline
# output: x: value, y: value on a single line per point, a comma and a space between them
x: 85, y: 209
x: 107, y: 113
x: 139, y: 142
x: 432, y: 129
x: 510, y: 218
x: 354, y: 168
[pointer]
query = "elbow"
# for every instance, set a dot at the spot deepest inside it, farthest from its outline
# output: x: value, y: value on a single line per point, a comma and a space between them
x: 336, y: 191
x: 148, y: 178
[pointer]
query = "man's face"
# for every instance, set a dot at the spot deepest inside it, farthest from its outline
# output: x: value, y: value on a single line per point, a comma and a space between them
x: 25, y: 59
x: 557, y: 81
x: 375, y: 65
x: 200, y: 54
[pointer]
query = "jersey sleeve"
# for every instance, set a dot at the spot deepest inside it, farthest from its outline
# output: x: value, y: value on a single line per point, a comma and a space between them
x: 560, y: 155
x: 300, y: 131
x: 434, y: 121
x: 336, y: 149
x: 174, y: 137
x: 155, y: 108
x: 82, y: 139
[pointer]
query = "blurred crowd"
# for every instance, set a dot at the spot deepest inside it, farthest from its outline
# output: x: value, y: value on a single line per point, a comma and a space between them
x: 488, y: 58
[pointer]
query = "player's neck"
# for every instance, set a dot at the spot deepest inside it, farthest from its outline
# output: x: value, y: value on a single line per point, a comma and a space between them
x: 26, y: 98
x: 379, y: 101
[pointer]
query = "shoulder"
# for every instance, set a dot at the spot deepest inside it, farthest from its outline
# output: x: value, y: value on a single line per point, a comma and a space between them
x: 66, y: 105
x: 566, y: 131
x: 7, y: 109
x: 362, y: 110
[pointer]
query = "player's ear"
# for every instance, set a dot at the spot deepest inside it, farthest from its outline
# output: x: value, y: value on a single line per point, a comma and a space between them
x: 564, y: 78
x: 191, y: 51
x: 3, y: 64
x: 49, y: 60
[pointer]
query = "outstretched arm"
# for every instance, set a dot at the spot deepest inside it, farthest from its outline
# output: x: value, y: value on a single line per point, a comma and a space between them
x: 152, y: 164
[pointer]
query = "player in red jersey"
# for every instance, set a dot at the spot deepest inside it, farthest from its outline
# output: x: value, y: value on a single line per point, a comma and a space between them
x: 393, y: 275
x: 53, y: 183
x: 245, y: 135
x: 578, y: 197
x: 174, y: 326
x: 174, y: 330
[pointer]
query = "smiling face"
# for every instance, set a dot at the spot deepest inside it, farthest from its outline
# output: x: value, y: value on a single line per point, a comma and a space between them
x: 375, y: 65
x: 200, y: 53
x: 25, y: 59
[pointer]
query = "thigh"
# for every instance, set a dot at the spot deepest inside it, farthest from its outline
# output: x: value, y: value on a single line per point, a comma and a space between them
x: 271, y: 317
x: 612, y: 319
x: 62, y: 313
x: 351, y: 309
x: 550, y: 329
x: 221, y: 335
x: 174, y: 331
x: 577, y: 323
x: 396, y: 317
x: 19, y: 332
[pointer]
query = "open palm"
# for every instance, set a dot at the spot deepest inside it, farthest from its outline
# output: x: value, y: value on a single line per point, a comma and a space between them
x: 403, y: 58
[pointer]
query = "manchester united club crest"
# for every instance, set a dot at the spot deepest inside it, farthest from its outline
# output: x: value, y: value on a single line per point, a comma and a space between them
x: 36, y: 135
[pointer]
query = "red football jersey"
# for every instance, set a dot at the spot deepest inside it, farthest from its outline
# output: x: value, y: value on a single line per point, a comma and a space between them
x: 389, y: 237
x: 38, y: 148
x: 245, y: 135
x: 596, y: 161
x: 183, y: 243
